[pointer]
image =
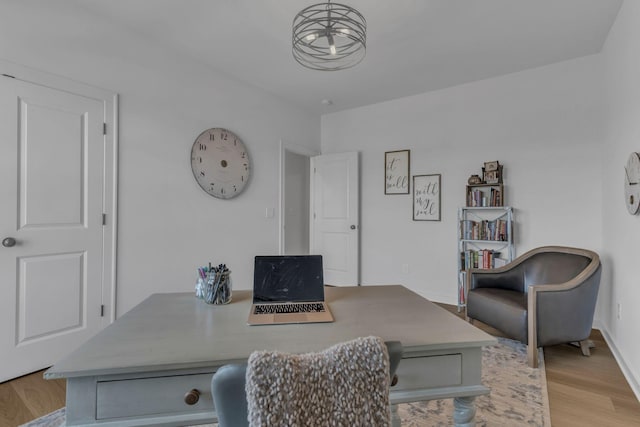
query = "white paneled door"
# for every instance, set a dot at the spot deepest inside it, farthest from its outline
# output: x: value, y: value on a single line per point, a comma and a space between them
x: 335, y: 216
x: 52, y: 156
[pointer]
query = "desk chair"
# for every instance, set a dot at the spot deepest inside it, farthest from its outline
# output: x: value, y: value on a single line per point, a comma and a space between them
x: 231, y: 393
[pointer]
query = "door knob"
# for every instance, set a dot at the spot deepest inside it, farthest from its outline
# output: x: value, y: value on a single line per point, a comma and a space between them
x: 353, y: 227
x: 7, y: 242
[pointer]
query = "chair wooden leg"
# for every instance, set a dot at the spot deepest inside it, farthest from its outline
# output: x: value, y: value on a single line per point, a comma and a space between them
x: 532, y: 332
x: 585, y: 345
x: 532, y: 356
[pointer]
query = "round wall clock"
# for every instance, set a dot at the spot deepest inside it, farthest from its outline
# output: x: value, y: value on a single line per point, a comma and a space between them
x: 632, y: 183
x: 220, y: 163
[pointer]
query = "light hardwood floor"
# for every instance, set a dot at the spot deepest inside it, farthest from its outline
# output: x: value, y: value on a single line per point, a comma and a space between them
x: 583, y: 391
x: 29, y: 397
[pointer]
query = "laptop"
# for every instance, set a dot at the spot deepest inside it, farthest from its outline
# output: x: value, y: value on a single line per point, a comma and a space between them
x: 288, y: 289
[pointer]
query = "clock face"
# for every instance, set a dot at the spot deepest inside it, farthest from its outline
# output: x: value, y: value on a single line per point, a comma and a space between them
x: 632, y: 183
x: 220, y: 163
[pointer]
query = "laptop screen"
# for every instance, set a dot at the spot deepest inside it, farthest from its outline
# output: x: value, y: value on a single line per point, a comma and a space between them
x: 288, y: 278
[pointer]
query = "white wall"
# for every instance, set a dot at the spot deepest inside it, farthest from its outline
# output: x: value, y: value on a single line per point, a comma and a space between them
x: 167, y: 225
x: 544, y: 125
x: 621, y: 231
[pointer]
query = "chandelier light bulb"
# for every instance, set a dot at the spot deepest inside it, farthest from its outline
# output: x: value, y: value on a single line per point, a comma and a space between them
x: 332, y: 44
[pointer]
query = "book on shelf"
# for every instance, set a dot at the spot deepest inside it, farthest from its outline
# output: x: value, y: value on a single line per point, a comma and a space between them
x: 480, y: 198
x: 483, y: 259
x: 484, y: 230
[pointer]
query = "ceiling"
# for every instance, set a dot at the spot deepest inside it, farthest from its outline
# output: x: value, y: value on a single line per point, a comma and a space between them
x: 413, y: 46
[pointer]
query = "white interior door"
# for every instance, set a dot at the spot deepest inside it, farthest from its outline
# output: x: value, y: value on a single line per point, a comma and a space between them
x: 335, y: 216
x: 52, y: 156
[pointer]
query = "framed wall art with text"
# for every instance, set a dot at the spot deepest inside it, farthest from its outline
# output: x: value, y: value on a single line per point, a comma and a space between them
x: 426, y: 197
x: 396, y: 172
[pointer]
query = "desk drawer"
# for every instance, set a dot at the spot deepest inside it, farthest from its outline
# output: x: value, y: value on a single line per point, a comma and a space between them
x: 150, y: 396
x: 429, y: 371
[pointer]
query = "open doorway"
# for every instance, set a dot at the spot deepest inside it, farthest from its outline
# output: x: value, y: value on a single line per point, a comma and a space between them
x: 319, y: 210
x: 294, y: 199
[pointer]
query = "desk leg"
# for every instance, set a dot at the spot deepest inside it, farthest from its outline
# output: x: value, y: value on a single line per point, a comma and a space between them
x: 395, y: 418
x: 464, y: 411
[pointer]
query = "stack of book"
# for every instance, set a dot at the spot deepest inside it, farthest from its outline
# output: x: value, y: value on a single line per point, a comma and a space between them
x: 483, y: 259
x: 477, y: 198
x: 484, y: 230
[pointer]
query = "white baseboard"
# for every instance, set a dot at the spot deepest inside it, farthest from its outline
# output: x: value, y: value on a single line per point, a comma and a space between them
x: 633, y: 382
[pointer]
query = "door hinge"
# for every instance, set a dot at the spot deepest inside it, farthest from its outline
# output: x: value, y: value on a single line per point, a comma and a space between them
x: 104, y: 219
x: 7, y: 75
x: 104, y: 128
x: 102, y: 310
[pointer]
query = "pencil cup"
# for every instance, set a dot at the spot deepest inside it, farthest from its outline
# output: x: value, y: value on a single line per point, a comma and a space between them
x: 201, y: 286
x: 217, y: 288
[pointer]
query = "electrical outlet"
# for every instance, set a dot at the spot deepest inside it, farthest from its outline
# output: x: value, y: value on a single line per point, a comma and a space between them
x: 619, y: 314
x: 405, y: 268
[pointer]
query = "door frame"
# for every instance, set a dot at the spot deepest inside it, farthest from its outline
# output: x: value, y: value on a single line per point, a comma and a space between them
x: 285, y: 146
x: 110, y: 182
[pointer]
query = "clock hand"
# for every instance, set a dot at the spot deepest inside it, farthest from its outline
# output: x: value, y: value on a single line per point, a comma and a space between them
x: 626, y: 173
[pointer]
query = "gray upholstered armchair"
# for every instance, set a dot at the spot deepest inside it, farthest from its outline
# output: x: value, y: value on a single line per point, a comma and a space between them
x: 546, y: 296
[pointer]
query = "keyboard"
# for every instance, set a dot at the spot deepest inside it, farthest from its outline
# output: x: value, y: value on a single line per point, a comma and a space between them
x: 311, y: 307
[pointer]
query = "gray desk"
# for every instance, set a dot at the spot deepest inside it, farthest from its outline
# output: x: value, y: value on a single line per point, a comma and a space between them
x: 138, y: 370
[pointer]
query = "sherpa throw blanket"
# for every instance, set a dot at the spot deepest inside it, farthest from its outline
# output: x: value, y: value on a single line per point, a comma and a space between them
x: 344, y: 385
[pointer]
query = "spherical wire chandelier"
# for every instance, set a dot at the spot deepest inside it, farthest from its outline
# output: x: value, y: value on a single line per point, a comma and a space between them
x: 329, y: 37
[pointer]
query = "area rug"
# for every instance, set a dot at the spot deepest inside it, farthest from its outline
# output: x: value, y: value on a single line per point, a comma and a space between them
x: 518, y: 395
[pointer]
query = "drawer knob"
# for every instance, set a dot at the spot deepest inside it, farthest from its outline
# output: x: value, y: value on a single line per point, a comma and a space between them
x: 192, y: 397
